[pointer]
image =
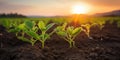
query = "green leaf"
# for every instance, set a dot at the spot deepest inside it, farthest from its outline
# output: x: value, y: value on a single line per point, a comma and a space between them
x: 14, y: 30
x: 29, y: 24
x: 24, y: 39
x: 59, y: 28
x: 87, y: 26
x: 22, y: 26
x: 32, y: 34
x: 42, y: 25
x: 69, y: 30
x: 76, y: 31
x: 61, y: 33
x: 49, y: 26
x: 44, y: 37
x: 35, y: 29
x: 6, y: 23
x: 64, y: 26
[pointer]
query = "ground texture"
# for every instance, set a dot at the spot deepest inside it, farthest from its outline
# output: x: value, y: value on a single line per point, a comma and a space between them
x: 56, y: 48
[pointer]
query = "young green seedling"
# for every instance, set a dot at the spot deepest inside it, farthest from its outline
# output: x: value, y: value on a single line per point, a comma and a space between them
x: 44, y: 28
x: 29, y: 28
x: 101, y: 25
x: 16, y: 27
x: 68, y: 33
x: 7, y: 24
x: 86, y: 29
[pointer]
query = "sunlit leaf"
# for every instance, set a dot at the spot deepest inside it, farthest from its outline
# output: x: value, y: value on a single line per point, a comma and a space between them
x: 76, y: 31
x: 69, y: 30
x: 49, y: 26
x: 64, y: 26
x: 6, y: 23
x: 22, y: 26
x: 32, y: 34
x: 42, y: 25
x: 44, y: 37
x: 29, y: 24
x: 61, y: 33
x: 24, y: 39
x: 15, y: 30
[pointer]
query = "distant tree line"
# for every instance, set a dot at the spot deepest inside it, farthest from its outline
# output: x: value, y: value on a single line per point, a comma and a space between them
x: 11, y: 15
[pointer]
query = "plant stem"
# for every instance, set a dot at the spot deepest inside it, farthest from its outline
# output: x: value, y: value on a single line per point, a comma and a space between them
x: 70, y: 44
x: 22, y: 34
x: 43, y: 43
x: 16, y: 34
x: 73, y: 43
x: 32, y: 43
x: 52, y: 32
x: 88, y: 35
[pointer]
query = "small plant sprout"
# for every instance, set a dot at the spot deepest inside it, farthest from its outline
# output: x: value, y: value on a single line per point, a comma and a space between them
x: 68, y: 33
x: 44, y: 28
x: 101, y: 25
x: 16, y: 27
x: 7, y: 24
x: 29, y: 28
x: 86, y: 29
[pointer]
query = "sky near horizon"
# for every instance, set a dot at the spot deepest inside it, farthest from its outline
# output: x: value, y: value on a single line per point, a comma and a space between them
x: 55, y: 7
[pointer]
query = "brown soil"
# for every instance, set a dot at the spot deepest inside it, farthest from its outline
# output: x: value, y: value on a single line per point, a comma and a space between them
x: 56, y: 48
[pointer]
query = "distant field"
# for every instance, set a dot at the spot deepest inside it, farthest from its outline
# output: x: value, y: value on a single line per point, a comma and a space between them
x: 60, y: 20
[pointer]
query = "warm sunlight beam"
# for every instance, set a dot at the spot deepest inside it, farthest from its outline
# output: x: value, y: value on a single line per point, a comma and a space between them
x: 80, y: 8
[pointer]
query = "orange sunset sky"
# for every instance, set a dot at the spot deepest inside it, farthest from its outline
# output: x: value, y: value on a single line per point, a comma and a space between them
x: 55, y: 7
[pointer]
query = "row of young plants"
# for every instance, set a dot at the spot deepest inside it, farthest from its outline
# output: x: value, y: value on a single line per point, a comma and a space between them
x: 28, y: 31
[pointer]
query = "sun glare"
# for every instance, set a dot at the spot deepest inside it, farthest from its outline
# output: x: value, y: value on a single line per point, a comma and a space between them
x: 80, y: 8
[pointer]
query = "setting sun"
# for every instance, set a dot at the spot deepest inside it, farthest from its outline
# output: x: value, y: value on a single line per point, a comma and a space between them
x: 80, y: 8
